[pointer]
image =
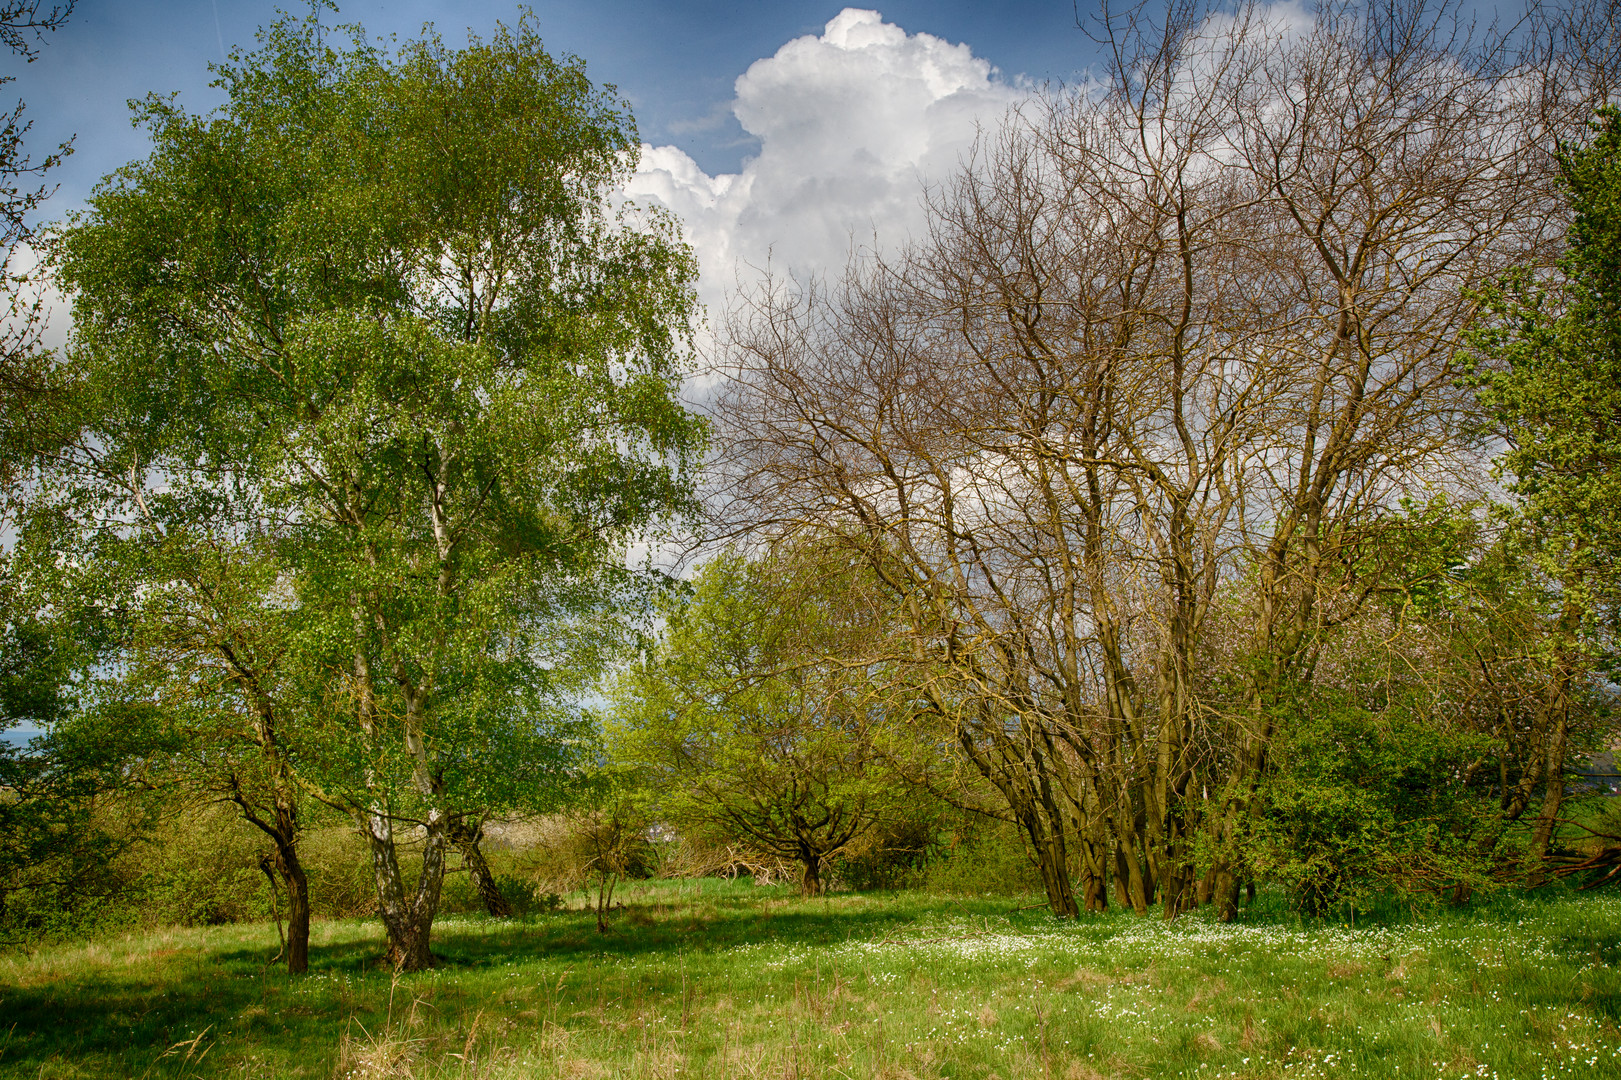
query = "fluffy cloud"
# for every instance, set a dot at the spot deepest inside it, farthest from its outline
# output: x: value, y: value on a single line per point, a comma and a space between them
x: 850, y: 124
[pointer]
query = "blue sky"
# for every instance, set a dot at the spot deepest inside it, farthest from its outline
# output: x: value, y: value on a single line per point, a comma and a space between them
x: 675, y: 61
x: 779, y: 132
x: 782, y: 133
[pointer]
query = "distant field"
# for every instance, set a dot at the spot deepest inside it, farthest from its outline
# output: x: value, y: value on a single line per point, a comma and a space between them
x: 722, y: 979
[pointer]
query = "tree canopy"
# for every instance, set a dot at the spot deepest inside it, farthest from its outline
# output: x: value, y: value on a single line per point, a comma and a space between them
x: 1551, y: 375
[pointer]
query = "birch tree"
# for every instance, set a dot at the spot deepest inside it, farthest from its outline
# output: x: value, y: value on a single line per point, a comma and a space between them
x: 382, y: 305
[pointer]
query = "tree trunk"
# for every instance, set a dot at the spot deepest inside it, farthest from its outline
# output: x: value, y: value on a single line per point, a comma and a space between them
x: 298, y: 911
x: 1122, y: 890
x: 298, y: 887
x: 283, y: 871
x: 1051, y: 861
x: 466, y: 840
x: 1135, y: 893
x: 1206, y: 888
x: 1227, y: 887
x: 605, y: 898
x: 1094, y: 893
x: 810, y: 884
x: 1542, y: 835
x: 408, y: 945
x: 408, y: 920
x: 283, y: 829
x: 1094, y: 868
x: 297, y: 884
x: 1024, y: 789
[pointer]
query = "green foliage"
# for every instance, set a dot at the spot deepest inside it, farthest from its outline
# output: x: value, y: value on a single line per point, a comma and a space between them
x: 161, y: 861
x: 749, y: 718
x: 896, y: 851
x: 526, y: 897
x: 1549, y: 372
x: 981, y: 856
x: 1360, y: 803
x: 67, y: 808
x: 427, y: 380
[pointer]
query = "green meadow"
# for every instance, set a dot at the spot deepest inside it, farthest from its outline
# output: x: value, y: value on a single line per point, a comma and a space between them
x: 714, y: 978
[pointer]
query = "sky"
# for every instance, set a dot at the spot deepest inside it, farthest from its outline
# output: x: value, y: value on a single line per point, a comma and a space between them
x: 779, y: 131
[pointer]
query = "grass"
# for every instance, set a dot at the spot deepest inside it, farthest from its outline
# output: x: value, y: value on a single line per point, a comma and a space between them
x: 722, y: 979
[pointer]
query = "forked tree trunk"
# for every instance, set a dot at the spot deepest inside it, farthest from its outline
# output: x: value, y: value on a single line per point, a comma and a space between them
x: 1094, y: 893
x: 293, y: 879
x: 1053, y: 864
x: 284, y: 872
x: 283, y: 829
x: 1094, y: 846
x: 407, y: 918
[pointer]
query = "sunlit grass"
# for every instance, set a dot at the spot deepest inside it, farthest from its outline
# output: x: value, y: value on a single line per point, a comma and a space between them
x: 720, y: 979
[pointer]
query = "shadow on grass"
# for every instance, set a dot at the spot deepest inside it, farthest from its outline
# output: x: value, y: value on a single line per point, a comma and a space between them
x: 115, y: 1014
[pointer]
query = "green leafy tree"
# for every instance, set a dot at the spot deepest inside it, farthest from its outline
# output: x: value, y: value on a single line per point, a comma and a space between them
x: 381, y: 316
x: 1549, y: 373
x: 25, y: 390
x: 750, y: 716
x: 207, y: 640
x: 71, y: 793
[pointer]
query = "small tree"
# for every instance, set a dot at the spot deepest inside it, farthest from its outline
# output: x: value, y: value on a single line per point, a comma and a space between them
x: 747, y: 718
x: 604, y: 838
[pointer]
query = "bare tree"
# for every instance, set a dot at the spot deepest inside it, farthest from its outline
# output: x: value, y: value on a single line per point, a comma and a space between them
x: 1126, y: 433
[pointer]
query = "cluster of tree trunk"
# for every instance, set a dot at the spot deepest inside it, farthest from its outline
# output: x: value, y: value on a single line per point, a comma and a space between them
x: 1127, y: 434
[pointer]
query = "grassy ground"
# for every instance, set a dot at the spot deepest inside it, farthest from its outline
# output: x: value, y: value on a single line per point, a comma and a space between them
x: 719, y: 979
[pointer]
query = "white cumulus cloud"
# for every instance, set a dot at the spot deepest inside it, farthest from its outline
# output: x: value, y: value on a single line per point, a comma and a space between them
x: 850, y: 124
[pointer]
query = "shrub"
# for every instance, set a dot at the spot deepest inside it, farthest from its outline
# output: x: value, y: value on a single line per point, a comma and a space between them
x: 1361, y: 803
x: 890, y: 855
x: 979, y: 856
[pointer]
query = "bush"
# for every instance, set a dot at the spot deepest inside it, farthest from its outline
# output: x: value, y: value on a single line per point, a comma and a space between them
x: 188, y: 866
x: 526, y: 898
x: 339, y: 870
x: 83, y: 886
x: 980, y: 856
x: 889, y: 856
x: 1363, y: 803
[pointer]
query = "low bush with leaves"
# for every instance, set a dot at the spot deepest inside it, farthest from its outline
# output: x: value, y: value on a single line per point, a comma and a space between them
x: 1363, y: 803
